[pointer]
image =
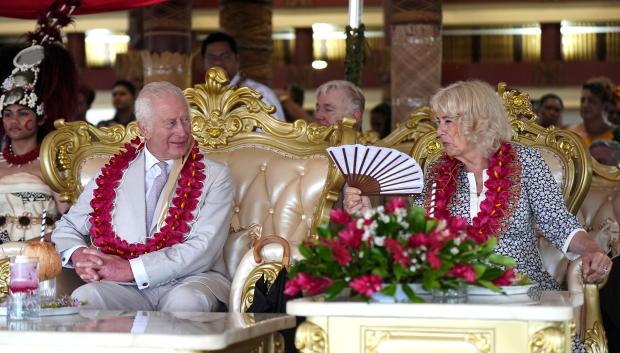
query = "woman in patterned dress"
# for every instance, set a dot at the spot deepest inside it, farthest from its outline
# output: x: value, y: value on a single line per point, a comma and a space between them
x: 478, y: 161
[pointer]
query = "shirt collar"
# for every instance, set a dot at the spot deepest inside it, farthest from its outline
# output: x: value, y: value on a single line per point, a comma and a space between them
x: 236, y: 79
x: 150, y: 160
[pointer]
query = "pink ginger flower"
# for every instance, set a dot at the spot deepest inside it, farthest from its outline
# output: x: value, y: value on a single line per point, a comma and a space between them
x: 397, y: 203
x: 463, y: 271
x: 506, y: 278
x: 339, y: 216
x: 341, y: 253
x: 366, y: 285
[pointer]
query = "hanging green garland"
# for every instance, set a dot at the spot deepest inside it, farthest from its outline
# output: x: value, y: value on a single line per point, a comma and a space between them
x: 355, y: 55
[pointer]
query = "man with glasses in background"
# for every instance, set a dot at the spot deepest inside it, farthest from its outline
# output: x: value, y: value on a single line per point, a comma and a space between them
x: 220, y: 49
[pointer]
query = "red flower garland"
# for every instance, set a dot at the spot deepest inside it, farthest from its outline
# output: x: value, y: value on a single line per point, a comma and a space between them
x: 496, y: 204
x: 179, y: 215
x: 13, y: 159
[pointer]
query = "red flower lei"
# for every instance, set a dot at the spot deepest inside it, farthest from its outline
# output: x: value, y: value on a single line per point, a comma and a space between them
x: 13, y: 159
x: 502, y: 190
x: 179, y: 215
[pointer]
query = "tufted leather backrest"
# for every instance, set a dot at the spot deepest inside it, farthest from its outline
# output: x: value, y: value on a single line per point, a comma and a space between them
x: 279, y: 191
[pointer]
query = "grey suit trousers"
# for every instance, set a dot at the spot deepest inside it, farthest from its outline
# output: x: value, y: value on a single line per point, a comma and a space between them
x: 184, y: 295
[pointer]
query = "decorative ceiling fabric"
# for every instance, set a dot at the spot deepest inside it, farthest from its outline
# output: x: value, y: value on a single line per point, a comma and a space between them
x: 31, y: 9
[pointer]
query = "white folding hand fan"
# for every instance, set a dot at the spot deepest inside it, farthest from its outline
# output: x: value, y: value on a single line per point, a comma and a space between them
x: 378, y: 170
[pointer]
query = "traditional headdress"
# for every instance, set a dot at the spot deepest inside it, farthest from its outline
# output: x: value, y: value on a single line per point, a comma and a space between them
x: 25, y: 86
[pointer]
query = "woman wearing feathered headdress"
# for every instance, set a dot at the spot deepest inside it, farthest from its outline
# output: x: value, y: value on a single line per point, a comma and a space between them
x: 41, y: 88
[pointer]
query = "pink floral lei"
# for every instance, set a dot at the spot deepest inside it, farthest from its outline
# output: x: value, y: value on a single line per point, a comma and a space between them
x: 179, y: 215
x: 502, y: 191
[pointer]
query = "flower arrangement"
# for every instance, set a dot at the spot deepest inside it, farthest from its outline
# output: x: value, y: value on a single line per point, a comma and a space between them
x: 394, y: 245
x: 63, y: 302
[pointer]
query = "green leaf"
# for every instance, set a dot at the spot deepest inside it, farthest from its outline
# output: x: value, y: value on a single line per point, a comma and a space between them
x: 323, y: 231
x: 430, y: 225
x: 479, y: 269
x: 399, y: 271
x: 411, y: 294
x: 430, y: 281
x: 502, y: 260
x: 325, y: 254
x: 335, y: 289
x: 490, y: 285
x: 390, y: 289
x: 418, y: 219
x: 305, y: 251
x: 491, y: 273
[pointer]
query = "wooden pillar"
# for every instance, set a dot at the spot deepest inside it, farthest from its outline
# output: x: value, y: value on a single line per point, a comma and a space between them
x: 549, y: 71
x: 303, y: 47
x: 249, y: 22
x: 550, y: 42
x: 77, y: 47
x: 415, y: 54
x: 167, y: 42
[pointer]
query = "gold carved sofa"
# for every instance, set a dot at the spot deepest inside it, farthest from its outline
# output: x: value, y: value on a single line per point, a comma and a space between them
x: 570, y: 164
x: 284, y: 181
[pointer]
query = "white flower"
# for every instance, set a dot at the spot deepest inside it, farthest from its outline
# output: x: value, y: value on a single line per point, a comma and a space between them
x: 40, y: 109
x: 384, y: 218
x: 454, y: 250
x: 423, y: 257
x: 380, y: 240
x: 360, y: 223
x: 8, y: 83
x: 400, y: 212
x: 367, y: 234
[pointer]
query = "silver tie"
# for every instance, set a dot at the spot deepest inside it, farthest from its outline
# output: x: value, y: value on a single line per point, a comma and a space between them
x: 153, y: 196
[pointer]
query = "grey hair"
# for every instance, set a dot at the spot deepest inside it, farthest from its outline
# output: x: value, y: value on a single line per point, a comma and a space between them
x: 150, y: 93
x: 356, y: 96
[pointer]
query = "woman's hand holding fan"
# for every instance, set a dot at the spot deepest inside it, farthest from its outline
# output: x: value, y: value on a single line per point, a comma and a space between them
x: 378, y: 170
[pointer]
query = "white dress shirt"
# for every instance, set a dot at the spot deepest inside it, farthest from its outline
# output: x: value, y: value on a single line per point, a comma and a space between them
x: 269, y: 97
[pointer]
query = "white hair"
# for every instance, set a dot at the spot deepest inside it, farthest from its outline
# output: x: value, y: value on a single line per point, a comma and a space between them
x: 150, y: 93
x: 356, y: 96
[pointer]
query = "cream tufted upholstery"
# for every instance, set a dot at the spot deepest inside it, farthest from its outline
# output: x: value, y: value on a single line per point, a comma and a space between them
x: 274, y: 190
x: 284, y: 182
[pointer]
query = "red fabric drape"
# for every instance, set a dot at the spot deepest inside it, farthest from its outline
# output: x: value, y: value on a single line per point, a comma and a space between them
x: 31, y: 9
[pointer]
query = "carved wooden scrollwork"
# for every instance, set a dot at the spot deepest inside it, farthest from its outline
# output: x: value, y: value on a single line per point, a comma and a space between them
x: 548, y: 340
x: 596, y: 340
x: 4, y: 278
x: 310, y: 338
x: 269, y: 270
x: 63, y: 151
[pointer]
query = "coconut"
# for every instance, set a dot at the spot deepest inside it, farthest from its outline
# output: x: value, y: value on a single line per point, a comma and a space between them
x: 50, y: 264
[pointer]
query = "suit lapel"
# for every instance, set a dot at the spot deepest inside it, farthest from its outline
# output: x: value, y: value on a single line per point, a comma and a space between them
x: 130, y: 209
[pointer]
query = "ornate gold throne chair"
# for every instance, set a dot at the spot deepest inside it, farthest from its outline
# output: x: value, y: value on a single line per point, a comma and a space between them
x: 570, y: 164
x: 284, y: 181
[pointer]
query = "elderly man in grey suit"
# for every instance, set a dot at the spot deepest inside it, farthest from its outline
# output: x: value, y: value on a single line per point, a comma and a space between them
x: 157, y: 217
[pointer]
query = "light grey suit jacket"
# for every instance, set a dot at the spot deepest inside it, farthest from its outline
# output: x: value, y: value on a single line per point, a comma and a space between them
x: 200, y: 255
